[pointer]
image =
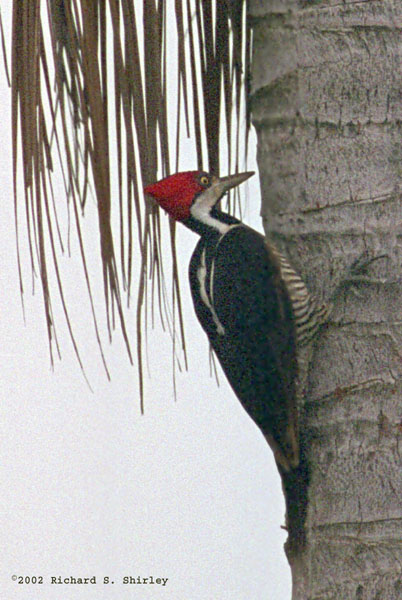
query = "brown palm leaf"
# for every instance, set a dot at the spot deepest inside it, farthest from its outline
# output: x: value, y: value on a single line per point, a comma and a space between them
x: 92, y: 78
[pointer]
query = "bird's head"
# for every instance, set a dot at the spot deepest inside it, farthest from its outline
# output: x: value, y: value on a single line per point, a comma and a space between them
x: 192, y: 193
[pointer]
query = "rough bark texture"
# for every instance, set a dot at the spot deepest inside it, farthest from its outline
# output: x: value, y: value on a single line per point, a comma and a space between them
x: 327, y: 106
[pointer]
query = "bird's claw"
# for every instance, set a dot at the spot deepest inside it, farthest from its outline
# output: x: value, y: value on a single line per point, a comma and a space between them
x: 356, y: 273
x: 360, y: 265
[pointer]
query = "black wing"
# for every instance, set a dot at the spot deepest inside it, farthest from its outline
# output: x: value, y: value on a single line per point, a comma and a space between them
x: 252, y: 331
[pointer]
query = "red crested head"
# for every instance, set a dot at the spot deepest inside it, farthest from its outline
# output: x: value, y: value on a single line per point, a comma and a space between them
x: 176, y: 193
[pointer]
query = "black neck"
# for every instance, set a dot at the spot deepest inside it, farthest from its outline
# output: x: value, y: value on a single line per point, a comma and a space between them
x: 205, y: 230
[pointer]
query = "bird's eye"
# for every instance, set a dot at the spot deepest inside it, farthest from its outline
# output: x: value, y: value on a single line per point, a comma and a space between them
x: 204, y: 180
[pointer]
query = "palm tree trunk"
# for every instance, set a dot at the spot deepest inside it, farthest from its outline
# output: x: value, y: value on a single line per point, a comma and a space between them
x: 327, y: 106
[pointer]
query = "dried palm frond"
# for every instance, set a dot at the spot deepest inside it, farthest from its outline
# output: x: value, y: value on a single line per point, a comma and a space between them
x: 92, y: 78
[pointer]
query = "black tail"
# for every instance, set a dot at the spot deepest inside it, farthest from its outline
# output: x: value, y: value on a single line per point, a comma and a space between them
x: 295, y: 487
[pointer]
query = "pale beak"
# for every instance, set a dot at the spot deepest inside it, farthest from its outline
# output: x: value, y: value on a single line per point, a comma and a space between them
x: 221, y: 185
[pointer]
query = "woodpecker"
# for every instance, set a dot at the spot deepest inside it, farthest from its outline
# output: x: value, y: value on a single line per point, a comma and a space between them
x: 255, y: 310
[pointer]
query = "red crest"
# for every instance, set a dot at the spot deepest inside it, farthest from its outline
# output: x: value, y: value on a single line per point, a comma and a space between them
x: 176, y: 193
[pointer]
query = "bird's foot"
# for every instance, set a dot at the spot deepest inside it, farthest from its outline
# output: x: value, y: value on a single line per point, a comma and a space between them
x: 358, y: 269
x: 357, y: 274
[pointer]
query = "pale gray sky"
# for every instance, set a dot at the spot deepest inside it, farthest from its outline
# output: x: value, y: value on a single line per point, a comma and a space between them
x: 188, y: 492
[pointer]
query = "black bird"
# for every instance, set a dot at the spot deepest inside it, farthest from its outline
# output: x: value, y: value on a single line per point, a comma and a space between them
x: 257, y: 314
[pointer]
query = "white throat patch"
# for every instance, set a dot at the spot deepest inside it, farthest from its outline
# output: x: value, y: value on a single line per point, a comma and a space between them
x: 201, y: 210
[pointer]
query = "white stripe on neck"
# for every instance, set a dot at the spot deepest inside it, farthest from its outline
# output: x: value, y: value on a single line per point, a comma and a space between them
x: 201, y: 211
x: 202, y: 276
